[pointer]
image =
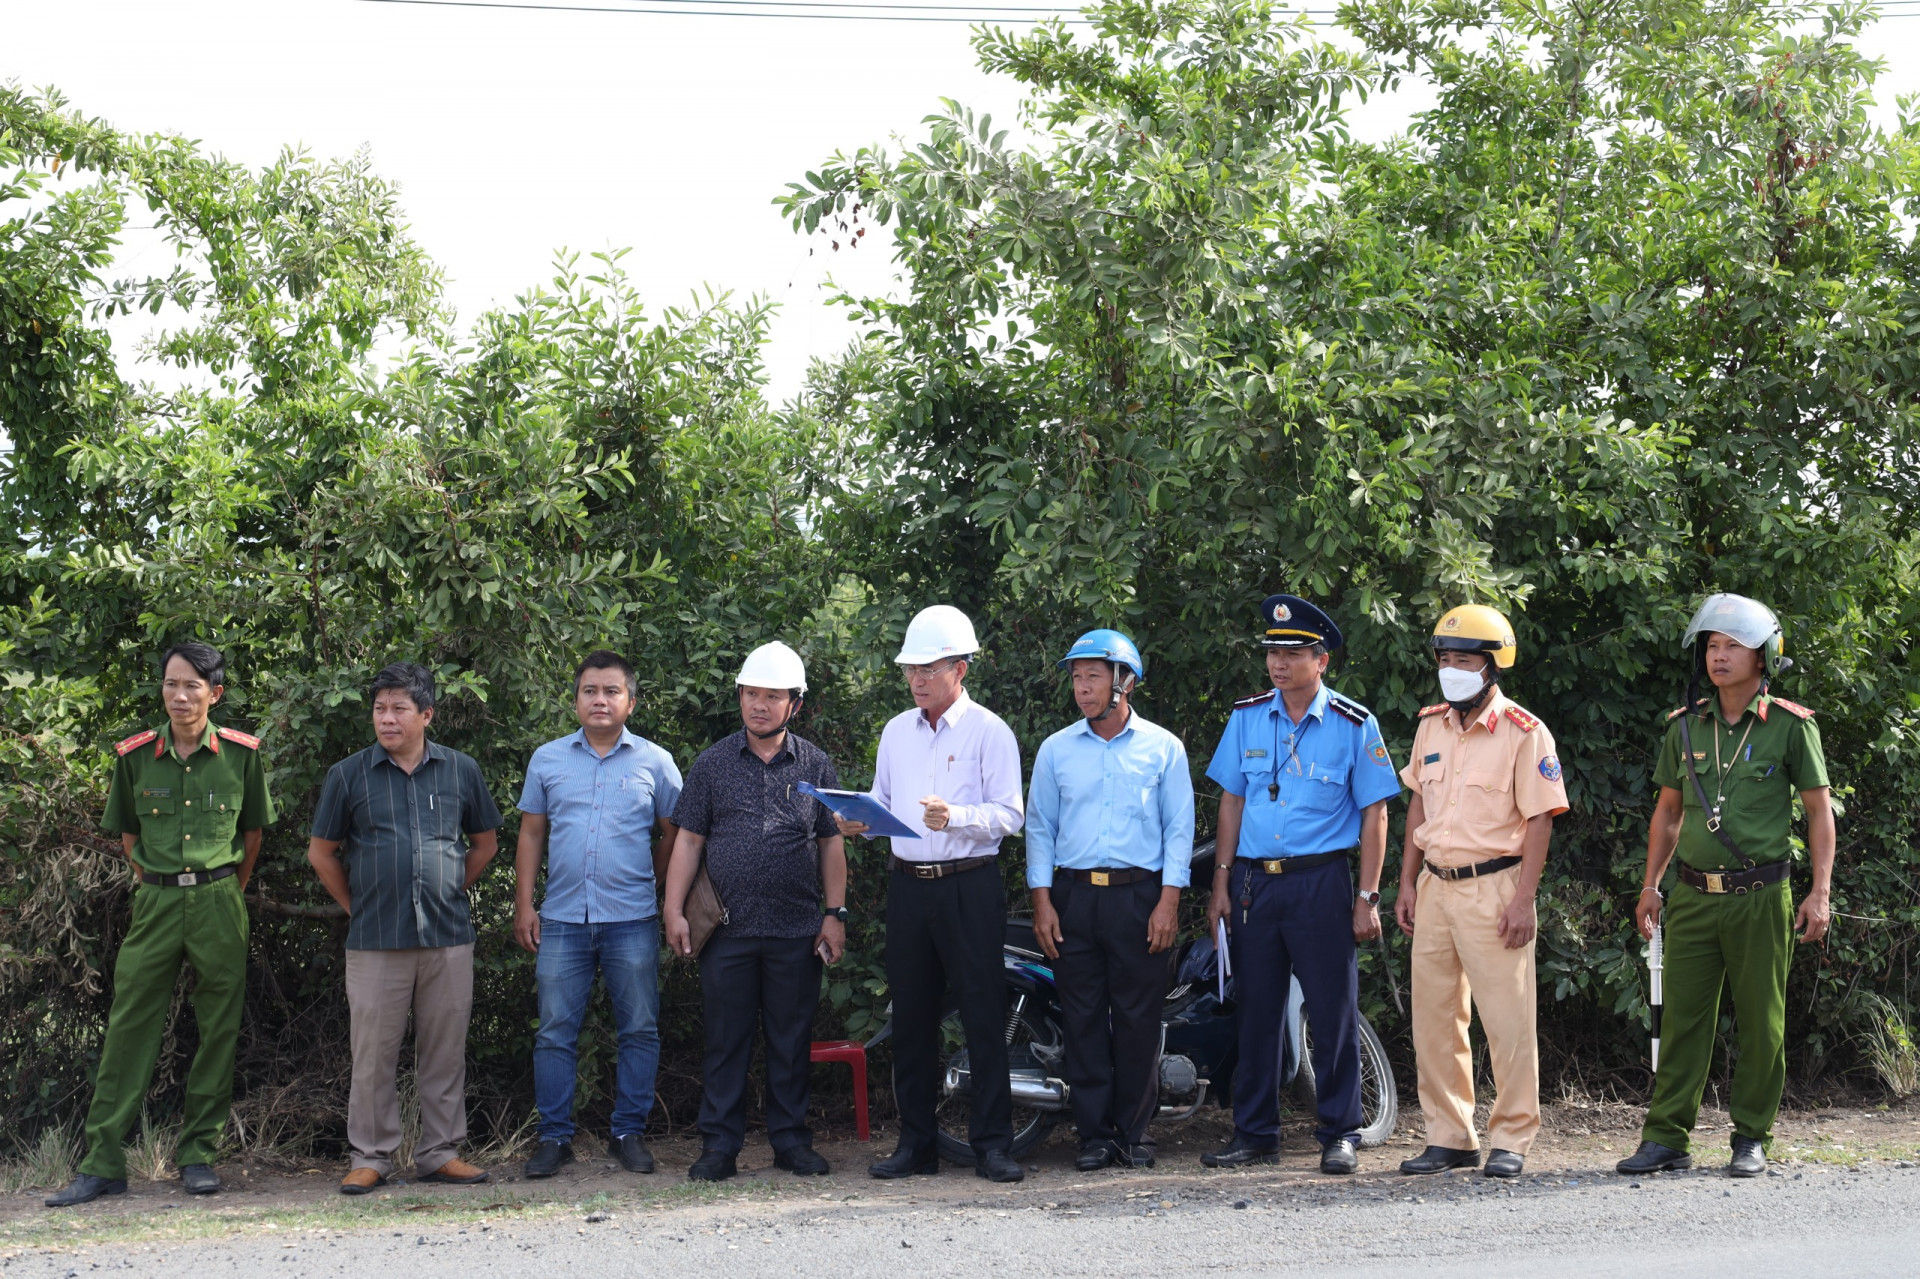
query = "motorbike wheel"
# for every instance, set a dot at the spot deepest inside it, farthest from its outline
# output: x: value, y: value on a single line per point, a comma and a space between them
x: 1379, y: 1095
x: 1036, y: 1045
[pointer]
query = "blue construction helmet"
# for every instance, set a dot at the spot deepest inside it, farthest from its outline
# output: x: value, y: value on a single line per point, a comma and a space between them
x: 1106, y: 646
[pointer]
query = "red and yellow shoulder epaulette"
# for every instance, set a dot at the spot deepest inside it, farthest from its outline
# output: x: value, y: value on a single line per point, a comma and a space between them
x: 1427, y: 711
x: 1793, y: 707
x: 1522, y: 720
x: 247, y: 740
x: 1256, y: 700
x: 135, y: 742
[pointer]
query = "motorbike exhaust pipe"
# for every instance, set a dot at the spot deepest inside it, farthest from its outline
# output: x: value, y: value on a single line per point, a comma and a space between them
x: 1031, y: 1091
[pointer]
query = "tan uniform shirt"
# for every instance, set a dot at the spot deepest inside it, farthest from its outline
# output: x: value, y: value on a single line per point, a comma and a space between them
x: 1481, y: 782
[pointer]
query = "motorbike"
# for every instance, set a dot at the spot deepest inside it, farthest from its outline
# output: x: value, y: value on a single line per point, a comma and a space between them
x: 1198, y: 1048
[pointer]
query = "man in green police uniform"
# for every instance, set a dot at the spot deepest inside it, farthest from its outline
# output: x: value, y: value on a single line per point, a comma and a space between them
x: 189, y: 802
x: 1727, y: 775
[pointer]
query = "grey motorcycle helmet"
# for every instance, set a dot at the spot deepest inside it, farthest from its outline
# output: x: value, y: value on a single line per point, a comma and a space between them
x: 1748, y: 621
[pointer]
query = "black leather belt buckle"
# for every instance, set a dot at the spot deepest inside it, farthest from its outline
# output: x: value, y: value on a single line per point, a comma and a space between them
x: 926, y: 870
x: 1716, y: 882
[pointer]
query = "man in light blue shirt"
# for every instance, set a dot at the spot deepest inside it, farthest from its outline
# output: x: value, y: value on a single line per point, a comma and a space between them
x: 592, y: 801
x: 1109, y: 842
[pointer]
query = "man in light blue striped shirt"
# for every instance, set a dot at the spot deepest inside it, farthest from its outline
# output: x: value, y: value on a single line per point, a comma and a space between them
x: 592, y: 802
x: 1109, y: 847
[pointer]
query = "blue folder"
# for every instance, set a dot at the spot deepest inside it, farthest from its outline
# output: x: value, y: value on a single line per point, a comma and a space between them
x: 858, y: 806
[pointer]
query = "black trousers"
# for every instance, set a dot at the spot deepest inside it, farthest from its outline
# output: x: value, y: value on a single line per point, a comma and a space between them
x: 1111, y: 992
x: 747, y: 983
x: 943, y: 952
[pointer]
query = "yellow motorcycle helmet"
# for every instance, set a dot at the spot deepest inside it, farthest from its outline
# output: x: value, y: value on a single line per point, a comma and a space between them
x: 1475, y: 628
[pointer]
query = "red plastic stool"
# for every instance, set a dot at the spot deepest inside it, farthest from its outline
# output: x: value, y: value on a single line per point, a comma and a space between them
x: 855, y: 1055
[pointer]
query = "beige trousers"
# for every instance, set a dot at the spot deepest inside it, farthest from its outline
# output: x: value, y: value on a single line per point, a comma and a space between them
x: 435, y: 986
x: 1457, y: 958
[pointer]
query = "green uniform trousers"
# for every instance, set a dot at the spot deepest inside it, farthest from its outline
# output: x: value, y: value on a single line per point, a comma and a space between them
x: 1745, y: 942
x: 207, y: 927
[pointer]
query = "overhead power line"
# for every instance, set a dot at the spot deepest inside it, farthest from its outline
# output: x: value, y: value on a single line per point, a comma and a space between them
x: 907, y: 11
x: 856, y: 11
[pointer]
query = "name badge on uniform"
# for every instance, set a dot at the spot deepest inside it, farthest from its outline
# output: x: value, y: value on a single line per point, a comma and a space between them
x: 1698, y: 756
x: 1257, y: 754
x: 157, y: 792
x: 1432, y: 759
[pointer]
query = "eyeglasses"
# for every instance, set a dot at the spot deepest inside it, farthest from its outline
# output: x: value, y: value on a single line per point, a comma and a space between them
x: 928, y: 671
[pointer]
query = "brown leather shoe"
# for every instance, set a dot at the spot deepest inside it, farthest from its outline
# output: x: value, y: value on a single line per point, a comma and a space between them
x: 456, y: 1172
x: 360, y: 1181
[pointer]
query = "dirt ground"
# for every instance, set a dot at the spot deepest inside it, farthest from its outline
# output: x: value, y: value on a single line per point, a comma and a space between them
x: 1578, y: 1140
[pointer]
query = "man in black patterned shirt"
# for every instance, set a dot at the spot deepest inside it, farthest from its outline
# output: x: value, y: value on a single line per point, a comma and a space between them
x: 779, y: 866
x: 402, y: 830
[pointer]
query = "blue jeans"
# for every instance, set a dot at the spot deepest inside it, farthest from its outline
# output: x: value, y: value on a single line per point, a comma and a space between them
x: 627, y: 956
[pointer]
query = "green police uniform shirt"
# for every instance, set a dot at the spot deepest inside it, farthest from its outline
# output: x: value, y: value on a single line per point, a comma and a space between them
x: 1769, y: 755
x: 188, y: 814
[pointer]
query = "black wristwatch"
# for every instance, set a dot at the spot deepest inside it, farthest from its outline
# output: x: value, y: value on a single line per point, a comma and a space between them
x: 835, y: 912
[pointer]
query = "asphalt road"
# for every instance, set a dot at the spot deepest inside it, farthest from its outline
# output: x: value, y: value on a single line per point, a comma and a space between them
x: 1806, y: 1221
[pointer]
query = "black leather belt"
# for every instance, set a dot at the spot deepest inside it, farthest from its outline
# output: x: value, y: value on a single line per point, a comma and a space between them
x: 1112, y: 876
x: 1737, y: 882
x: 1290, y: 865
x: 1474, y: 871
x: 191, y: 879
x: 939, y: 870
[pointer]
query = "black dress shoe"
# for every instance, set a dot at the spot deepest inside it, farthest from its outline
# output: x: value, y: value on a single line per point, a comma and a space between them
x: 1438, y: 1159
x: 1654, y: 1157
x: 199, y: 1179
x: 1749, y: 1158
x: 1339, y: 1157
x: 1504, y: 1163
x: 905, y: 1163
x: 1140, y: 1156
x: 802, y: 1161
x: 998, y: 1165
x: 85, y: 1189
x: 631, y: 1150
x: 1241, y: 1153
x: 712, y: 1165
x: 1094, y: 1155
x: 549, y: 1159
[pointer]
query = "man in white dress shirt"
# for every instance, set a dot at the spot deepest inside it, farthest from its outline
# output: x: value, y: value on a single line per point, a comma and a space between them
x: 950, y: 768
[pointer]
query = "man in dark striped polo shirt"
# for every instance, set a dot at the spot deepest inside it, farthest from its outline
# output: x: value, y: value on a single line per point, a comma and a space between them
x: 402, y: 830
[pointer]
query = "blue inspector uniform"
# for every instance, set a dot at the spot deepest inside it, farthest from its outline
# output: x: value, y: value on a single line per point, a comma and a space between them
x: 1305, y: 783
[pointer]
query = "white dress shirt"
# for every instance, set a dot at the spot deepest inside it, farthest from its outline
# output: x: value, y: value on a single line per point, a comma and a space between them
x: 967, y: 757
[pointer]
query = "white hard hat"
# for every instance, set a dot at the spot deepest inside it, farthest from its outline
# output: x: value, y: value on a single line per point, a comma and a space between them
x: 773, y: 666
x: 935, y: 633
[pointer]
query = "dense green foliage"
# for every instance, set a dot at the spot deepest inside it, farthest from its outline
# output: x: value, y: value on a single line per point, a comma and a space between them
x: 1625, y: 318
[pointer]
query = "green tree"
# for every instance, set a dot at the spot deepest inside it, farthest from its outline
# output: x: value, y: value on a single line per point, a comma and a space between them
x: 1624, y: 318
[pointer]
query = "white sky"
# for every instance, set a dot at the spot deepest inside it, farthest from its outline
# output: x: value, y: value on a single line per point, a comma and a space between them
x: 512, y: 134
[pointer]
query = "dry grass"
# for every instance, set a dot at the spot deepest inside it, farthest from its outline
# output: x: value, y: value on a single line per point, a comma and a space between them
x: 49, y: 1163
x: 150, y: 1156
x: 1891, y: 1050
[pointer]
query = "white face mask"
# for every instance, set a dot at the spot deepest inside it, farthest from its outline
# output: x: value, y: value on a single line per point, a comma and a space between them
x: 1461, y: 686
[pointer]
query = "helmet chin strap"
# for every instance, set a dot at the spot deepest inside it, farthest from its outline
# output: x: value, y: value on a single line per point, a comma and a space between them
x: 1488, y: 678
x: 1113, y: 700
x: 783, y: 723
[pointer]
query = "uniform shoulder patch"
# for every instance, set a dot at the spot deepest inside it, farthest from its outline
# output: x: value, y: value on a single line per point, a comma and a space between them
x: 1427, y: 712
x: 1793, y: 707
x: 1525, y: 722
x: 1258, y: 699
x: 135, y: 742
x: 247, y: 740
x: 1678, y: 711
x: 1347, y: 709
